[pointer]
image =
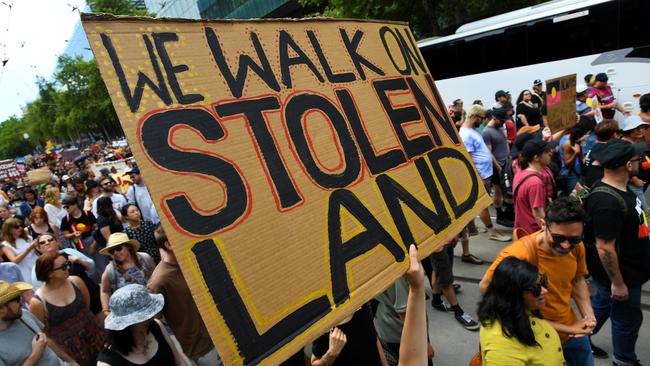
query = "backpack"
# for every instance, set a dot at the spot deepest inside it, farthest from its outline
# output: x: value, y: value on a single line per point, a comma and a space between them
x: 514, y: 194
x: 507, y: 177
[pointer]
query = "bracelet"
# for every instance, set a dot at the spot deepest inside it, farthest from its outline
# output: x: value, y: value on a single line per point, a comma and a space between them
x: 105, y: 311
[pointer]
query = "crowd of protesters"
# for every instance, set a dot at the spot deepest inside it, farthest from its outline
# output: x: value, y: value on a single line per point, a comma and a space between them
x: 88, y: 276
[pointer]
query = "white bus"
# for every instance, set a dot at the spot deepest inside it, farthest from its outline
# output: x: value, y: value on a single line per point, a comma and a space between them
x: 556, y: 38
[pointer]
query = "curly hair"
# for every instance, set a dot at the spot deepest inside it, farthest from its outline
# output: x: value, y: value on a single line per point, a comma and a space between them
x: 565, y: 210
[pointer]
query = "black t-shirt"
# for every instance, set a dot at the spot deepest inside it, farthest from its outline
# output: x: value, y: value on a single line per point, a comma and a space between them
x: 533, y: 115
x: 115, y: 227
x: 592, y: 173
x: 86, y: 218
x: 630, y: 232
x: 361, y: 346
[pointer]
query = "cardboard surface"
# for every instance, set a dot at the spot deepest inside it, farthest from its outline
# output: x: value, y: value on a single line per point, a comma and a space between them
x: 561, y: 102
x: 292, y: 162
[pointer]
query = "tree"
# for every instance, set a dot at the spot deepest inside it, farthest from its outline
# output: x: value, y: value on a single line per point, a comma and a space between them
x: 426, y: 17
x: 117, y: 7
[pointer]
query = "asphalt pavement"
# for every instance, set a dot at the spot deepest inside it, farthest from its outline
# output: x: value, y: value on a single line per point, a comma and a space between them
x: 454, y: 345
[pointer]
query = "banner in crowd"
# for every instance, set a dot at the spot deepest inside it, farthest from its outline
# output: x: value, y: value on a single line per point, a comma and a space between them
x: 117, y: 169
x: 294, y: 161
x: 9, y: 170
x: 561, y: 102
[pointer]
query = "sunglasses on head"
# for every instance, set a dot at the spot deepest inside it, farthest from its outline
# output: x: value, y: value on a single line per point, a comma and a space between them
x: 559, y: 239
x: 536, y: 289
x: 115, y: 249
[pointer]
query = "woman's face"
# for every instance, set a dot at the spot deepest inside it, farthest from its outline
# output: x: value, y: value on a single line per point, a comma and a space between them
x: 47, y: 244
x: 39, y: 219
x: 17, y: 231
x: 4, y: 213
x: 120, y: 253
x: 61, y: 267
x: 532, y: 301
x: 29, y: 196
x: 527, y: 96
x: 133, y: 214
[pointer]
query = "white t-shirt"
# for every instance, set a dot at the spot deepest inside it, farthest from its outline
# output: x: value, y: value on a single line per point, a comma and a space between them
x: 28, y: 262
x: 55, y: 214
x: 118, y: 202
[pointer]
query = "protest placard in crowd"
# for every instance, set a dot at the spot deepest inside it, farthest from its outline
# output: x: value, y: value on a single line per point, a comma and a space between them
x: 293, y: 162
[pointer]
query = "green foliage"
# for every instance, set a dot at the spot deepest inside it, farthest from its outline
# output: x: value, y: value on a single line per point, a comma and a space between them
x: 117, y: 7
x: 426, y: 17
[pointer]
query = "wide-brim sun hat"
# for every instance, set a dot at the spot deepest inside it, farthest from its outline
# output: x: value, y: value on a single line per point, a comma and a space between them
x: 117, y: 239
x: 10, y: 291
x: 132, y: 304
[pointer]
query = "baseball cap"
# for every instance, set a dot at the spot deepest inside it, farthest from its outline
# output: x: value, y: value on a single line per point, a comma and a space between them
x: 535, y: 147
x: 537, y: 82
x: 69, y: 200
x: 134, y: 170
x: 581, y: 89
x: 500, y: 93
x: 601, y: 77
x: 500, y: 113
x: 632, y: 122
x: 618, y: 152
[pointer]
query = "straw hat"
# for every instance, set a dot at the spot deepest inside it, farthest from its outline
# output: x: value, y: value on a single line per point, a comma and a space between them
x: 132, y: 304
x: 9, y: 291
x: 117, y: 239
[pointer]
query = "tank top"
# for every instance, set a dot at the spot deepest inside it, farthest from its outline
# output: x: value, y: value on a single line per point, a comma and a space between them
x: 163, y: 357
x: 576, y: 165
x: 34, y: 234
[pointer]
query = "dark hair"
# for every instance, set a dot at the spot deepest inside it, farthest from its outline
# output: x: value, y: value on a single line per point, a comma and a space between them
x: 30, y: 190
x: 504, y: 302
x: 588, y: 78
x: 105, y: 178
x: 606, y: 129
x: 105, y: 209
x: 565, y: 210
x: 520, y: 98
x: 477, y: 101
x: 122, y: 340
x: 125, y: 209
x: 45, y: 265
x: 161, y: 237
x: 576, y: 133
x: 644, y: 103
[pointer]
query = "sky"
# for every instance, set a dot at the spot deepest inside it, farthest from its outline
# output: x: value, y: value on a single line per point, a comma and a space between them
x: 32, y: 34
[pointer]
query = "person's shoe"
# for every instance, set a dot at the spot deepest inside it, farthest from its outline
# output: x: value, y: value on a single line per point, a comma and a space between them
x: 598, y: 352
x: 467, y: 322
x: 471, y: 258
x: 505, y: 222
x: 499, y: 236
x: 456, y: 287
x: 443, y: 306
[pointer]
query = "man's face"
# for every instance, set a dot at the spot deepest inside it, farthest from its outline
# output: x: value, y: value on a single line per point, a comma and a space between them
x: 11, y: 310
x: 562, y: 237
x: 502, y: 99
x: 107, y: 185
x: 80, y: 188
x: 633, y: 166
x: 478, y: 119
x: 600, y: 84
x: 4, y: 213
x: 545, y: 157
x: 135, y: 178
x: 537, y: 88
x: 638, y: 133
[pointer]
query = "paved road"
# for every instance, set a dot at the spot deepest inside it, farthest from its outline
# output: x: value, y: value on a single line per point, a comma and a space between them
x: 455, y: 346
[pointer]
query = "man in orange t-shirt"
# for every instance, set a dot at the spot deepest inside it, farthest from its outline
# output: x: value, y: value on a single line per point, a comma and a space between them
x: 558, y: 252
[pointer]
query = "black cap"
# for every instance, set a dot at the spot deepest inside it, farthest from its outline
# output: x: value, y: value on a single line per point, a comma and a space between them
x: 519, y: 143
x: 500, y: 113
x: 537, y: 82
x: 500, y: 93
x: 602, y: 77
x: 105, y: 171
x: 69, y: 200
x: 535, y: 147
x: 134, y: 170
x: 618, y: 152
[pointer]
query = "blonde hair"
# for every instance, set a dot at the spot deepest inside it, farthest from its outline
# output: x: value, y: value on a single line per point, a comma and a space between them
x: 475, y: 110
x: 53, y: 196
x: 9, y: 224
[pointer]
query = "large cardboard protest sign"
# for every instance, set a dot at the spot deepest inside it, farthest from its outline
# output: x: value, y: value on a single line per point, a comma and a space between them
x: 561, y: 102
x: 293, y: 161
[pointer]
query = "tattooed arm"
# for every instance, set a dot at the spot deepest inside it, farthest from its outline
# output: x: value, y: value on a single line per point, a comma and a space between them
x: 609, y: 259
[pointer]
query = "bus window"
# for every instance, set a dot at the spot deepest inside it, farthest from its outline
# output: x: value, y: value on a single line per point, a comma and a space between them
x: 633, y: 25
x: 441, y: 60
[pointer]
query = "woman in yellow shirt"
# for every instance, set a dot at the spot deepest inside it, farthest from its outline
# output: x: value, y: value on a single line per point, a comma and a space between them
x: 512, y: 329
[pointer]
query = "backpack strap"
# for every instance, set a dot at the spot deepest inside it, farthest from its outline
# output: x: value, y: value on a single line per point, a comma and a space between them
x: 529, y: 244
x: 610, y: 191
x: 514, y: 194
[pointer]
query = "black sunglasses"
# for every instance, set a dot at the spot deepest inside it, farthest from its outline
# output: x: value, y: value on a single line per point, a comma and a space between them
x: 64, y: 266
x: 559, y: 239
x: 49, y: 240
x: 115, y: 249
x: 536, y: 290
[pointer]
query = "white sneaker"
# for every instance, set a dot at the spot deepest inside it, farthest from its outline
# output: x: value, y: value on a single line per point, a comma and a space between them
x: 499, y: 236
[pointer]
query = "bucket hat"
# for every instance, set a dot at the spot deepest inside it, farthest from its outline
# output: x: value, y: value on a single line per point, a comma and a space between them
x: 117, y: 239
x: 132, y: 304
